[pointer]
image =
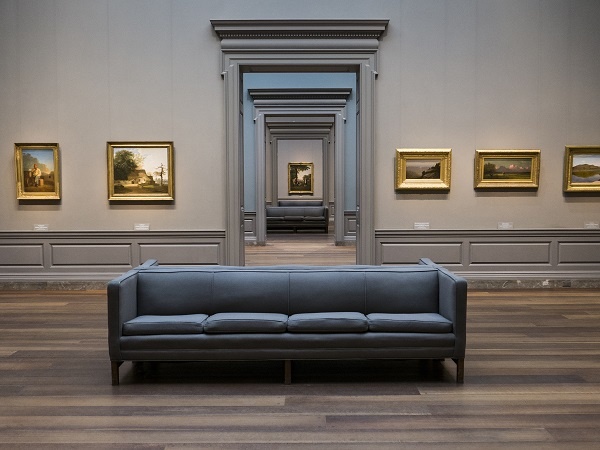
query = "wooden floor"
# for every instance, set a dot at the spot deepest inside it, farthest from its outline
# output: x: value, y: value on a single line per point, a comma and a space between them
x: 532, y: 381
x: 300, y: 248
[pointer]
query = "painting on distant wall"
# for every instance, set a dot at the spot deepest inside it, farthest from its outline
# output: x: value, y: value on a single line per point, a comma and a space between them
x: 507, y: 169
x: 300, y: 178
x: 37, y: 169
x: 140, y: 171
x: 582, y: 169
x: 422, y: 169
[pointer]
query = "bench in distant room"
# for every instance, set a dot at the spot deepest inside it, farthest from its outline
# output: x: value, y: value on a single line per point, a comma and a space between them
x: 298, y: 214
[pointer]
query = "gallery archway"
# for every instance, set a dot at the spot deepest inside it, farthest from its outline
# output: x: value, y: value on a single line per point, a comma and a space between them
x: 292, y: 46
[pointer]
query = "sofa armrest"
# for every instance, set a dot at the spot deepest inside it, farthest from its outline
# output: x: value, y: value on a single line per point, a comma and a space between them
x: 122, y: 306
x: 453, y: 305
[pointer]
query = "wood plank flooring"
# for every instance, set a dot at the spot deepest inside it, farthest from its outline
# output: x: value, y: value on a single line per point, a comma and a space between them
x: 532, y: 380
x: 300, y: 248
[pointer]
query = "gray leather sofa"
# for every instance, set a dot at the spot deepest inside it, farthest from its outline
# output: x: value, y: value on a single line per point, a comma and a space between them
x: 298, y: 214
x: 286, y: 313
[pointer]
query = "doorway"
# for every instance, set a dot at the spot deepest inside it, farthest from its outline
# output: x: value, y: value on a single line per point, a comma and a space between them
x: 322, y: 46
x: 300, y: 117
x: 286, y: 140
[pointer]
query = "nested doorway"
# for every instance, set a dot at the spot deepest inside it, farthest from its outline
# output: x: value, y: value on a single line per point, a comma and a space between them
x: 316, y: 126
x: 343, y: 45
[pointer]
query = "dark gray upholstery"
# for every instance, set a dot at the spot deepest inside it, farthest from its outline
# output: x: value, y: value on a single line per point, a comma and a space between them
x: 409, y: 323
x: 300, y: 203
x: 298, y: 214
x: 246, y: 323
x: 286, y: 312
x: 333, y: 322
x: 180, y: 324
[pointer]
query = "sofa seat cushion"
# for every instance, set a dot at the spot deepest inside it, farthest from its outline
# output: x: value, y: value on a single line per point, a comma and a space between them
x: 328, y: 322
x: 176, y: 324
x: 409, y: 323
x: 246, y: 323
x: 293, y: 218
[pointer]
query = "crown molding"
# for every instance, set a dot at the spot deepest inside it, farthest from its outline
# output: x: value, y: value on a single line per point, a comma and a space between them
x: 300, y: 29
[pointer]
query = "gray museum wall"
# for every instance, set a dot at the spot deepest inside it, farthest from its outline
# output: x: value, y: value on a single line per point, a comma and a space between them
x: 460, y: 74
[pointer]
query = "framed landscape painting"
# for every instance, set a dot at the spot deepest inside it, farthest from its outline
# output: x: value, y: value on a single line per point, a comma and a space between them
x: 507, y: 169
x: 582, y: 169
x: 423, y: 169
x: 300, y: 178
x: 37, y: 169
x: 140, y: 171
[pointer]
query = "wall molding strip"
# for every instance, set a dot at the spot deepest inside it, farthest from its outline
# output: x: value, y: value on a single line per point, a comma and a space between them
x: 98, y: 256
x: 498, y: 258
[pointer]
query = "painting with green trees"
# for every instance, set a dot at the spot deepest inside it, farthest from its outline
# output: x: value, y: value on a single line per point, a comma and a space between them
x: 140, y: 171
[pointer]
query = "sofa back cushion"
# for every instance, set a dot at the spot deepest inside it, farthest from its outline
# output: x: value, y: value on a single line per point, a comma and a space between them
x: 326, y: 291
x: 170, y: 291
x: 300, y: 203
x: 313, y: 211
x: 250, y: 291
x: 288, y: 290
x: 276, y: 211
x: 295, y: 211
x: 413, y: 290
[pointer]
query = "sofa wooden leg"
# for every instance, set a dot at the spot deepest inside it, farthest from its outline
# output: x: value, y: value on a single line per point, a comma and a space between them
x: 460, y: 369
x: 287, y: 364
x: 114, y: 368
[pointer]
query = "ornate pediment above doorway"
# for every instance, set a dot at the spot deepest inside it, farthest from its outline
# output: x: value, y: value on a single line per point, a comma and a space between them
x: 300, y: 29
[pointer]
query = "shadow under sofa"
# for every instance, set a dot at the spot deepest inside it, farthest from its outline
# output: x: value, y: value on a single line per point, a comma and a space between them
x: 219, y: 313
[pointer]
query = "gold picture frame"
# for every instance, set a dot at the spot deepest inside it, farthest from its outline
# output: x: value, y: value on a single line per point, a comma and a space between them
x: 301, y: 178
x: 582, y: 169
x: 140, y: 171
x: 37, y: 171
x: 423, y: 169
x: 507, y: 169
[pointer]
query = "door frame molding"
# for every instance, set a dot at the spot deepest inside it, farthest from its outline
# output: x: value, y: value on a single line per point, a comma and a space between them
x: 292, y: 46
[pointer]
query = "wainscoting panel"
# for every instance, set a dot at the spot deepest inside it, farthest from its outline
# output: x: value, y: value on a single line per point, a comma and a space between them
x: 181, y: 253
x: 35, y: 258
x: 91, y: 255
x: 578, y: 252
x: 510, y: 253
x: 350, y: 225
x: 449, y: 253
x: 501, y: 258
x: 22, y: 255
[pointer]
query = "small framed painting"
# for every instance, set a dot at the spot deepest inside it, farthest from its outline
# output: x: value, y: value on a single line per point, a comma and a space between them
x: 423, y: 169
x: 300, y: 178
x: 37, y: 169
x: 507, y: 169
x: 582, y: 169
x: 140, y: 171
